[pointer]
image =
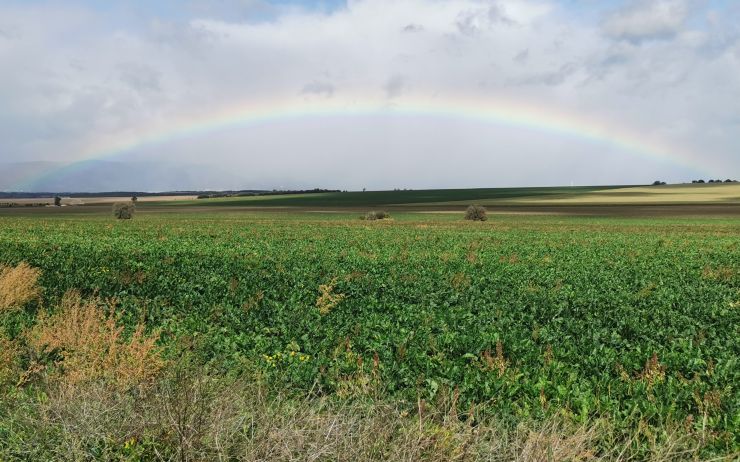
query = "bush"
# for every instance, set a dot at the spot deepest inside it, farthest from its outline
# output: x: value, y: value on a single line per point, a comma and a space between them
x: 476, y: 213
x: 377, y: 215
x: 124, y: 210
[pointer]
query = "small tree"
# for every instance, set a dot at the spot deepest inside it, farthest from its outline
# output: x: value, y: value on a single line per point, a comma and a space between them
x: 57, y: 201
x: 124, y: 210
x: 134, y: 199
x: 658, y: 183
x: 476, y: 213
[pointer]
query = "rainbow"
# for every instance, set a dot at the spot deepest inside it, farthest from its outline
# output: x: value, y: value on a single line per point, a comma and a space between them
x: 500, y: 111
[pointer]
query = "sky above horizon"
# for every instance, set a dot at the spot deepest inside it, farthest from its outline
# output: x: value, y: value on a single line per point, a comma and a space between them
x: 242, y: 94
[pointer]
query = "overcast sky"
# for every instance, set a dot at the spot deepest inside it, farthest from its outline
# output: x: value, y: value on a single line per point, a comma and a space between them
x: 80, y: 79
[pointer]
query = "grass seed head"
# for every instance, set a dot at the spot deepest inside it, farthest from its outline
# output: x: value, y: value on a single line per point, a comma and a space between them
x: 92, y: 346
x: 18, y: 286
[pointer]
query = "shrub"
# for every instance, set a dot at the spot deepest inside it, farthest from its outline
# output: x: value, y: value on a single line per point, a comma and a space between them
x: 377, y: 215
x: 91, y: 346
x: 57, y: 201
x: 124, y: 210
x: 476, y: 213
x: 18, y: 286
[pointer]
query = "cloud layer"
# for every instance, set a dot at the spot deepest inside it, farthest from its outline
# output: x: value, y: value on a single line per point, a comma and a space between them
x: 80, y: 79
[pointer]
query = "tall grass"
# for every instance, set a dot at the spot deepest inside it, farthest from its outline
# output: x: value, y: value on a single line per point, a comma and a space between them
x: 88, y: 344
x: 193, y: 413
x: 18, y: 286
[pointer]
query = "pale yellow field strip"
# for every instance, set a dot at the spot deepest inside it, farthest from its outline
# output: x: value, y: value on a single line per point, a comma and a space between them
x: 96, y: 200
x: 725, y: 193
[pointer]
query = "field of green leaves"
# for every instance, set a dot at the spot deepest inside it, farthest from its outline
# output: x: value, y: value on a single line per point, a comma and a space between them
x: 635, y: 321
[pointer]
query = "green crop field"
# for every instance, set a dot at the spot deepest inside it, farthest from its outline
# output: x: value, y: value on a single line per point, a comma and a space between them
x: 630, y: 322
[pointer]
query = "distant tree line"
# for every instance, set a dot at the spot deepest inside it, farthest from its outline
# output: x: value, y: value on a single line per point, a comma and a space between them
x: 274, y: 192
x: 660, y: 183
x: 4, y: 205
x: 713, y: 181
x: 31, y: 195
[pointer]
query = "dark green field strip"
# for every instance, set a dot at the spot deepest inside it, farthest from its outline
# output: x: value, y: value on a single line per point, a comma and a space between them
x: 379, y: 198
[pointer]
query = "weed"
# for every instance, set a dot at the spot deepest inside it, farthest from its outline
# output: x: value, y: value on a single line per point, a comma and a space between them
x: 328, y: 299
x: 18, y: 286
x: 90, y: 344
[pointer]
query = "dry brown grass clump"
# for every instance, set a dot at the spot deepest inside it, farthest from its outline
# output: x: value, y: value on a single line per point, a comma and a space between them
x: 91, y: 344
x: 18, y: 285
x: 497, y: 362
x: 9, y: 354
x: 377, y: 215
x: 328, y: 299
x: 192, y: 413
x: 654, y: 371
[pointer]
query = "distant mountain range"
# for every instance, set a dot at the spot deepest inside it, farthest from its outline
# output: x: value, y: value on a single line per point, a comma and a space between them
x: 95, y: 176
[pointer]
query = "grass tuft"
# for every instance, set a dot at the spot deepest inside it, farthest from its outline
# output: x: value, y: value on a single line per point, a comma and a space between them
x: 18, y: 286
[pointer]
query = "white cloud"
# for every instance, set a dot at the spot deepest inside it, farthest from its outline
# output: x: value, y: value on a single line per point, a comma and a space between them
x: 83, y: 80
x: 648, y: 19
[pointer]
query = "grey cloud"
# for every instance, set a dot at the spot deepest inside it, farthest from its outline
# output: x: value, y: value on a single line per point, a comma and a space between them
x: 141, y: 78
x: 325, y: 89
x: 603, y: 65
x: 497, y: 15
x: 551, y: 78
x: 412, y: 28
x: 474, y: 22
x: 651, y: 19
x: 8, y: 34
x: 394, y: 86
x: 522, y: 56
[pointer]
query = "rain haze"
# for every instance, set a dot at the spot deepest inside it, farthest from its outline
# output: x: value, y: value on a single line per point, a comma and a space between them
x: 252, y: 94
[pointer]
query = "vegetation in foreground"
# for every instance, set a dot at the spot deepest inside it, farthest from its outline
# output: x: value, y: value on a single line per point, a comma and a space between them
x: 270, y: 336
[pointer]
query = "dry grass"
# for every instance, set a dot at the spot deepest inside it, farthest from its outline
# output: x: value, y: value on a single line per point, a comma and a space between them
x: 9, y: 361
x: 91, y: 344
x: 98, y: 200
x: 497, y: 362
x: 18, y: 286
x: 192, y: 415
x: 727, y: 193
x: 328, y: 299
